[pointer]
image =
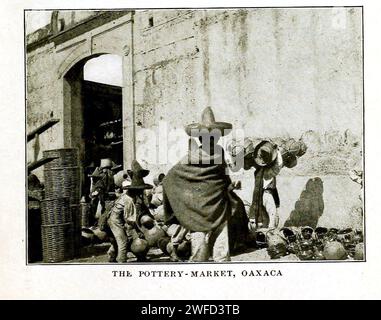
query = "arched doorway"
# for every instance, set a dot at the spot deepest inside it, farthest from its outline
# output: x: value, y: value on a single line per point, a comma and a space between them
x: 93, y: 112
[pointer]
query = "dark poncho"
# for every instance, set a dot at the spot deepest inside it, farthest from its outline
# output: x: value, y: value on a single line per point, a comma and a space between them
x: 197, y: 193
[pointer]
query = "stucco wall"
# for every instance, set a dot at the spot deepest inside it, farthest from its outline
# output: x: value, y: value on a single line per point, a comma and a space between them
x: 41, y: 102
x: 50, y: 94
x: 274, y: 73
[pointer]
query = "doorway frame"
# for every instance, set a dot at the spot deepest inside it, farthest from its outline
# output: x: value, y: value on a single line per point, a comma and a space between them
x: 76, y: 52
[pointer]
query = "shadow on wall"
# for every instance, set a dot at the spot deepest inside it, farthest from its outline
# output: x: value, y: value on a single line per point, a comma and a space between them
x: 310, y: 206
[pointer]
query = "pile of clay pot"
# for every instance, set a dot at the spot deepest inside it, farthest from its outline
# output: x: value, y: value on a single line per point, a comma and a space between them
x: 312, y: 244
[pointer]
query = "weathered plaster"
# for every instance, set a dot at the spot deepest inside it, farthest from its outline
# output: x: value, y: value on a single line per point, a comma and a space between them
x: 274, y: 73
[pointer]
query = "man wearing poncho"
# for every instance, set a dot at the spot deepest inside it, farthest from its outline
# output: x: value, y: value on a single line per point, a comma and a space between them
x: 198, y: 193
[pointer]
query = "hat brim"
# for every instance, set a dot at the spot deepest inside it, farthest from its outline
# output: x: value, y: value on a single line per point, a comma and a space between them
x: 197, y: 129
x: 258, y: 161
x: 96, y: 176
x: 117, y: 167
x: 138, y: 187
x: 96, y: 173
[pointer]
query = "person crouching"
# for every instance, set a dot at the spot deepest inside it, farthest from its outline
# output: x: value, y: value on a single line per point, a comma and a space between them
x: 124, y: 215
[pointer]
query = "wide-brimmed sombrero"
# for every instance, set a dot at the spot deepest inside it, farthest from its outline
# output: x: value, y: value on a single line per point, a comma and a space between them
x: 207, y: 124
x: 116, y: 167
x: 138, y: 183
x: 137, y: 173
x: 96, y: 173
x: 265, y: 153
x: 136, y: 169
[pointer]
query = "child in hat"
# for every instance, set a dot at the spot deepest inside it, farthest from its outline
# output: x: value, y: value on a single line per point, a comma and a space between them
x: 131, y: 222
x: 125, y: 215
x: 146, y: 225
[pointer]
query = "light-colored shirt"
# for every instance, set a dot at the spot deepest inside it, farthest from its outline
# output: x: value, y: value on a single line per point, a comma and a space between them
x: 124, y: 204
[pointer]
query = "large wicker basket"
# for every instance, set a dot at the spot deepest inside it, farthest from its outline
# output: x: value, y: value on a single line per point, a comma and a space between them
x: 63, y: 182
x: 67, y: 157
x: 55, y: 211
x: 57, y: 242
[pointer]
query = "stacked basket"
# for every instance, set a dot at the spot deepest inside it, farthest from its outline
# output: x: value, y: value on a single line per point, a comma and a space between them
x: 60, y: 209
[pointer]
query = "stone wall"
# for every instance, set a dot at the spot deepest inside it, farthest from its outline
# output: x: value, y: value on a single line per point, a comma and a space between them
x: 275, y: 73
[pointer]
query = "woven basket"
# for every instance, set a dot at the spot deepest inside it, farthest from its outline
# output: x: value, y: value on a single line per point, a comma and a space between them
x: 57, y: 242
x: 62, y: 182
x: 55, y: 211
x: 76, y: 216
x: 67, y: 157
x: 85, y: 214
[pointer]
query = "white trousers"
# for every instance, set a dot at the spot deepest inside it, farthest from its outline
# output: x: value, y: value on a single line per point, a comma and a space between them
x: 213, y: 243
x: 271, y: 209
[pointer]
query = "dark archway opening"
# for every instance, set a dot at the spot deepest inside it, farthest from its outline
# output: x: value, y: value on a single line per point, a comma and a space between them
x: 93, y: 112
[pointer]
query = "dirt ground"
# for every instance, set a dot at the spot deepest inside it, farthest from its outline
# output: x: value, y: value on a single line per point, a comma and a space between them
x: 98, y: 254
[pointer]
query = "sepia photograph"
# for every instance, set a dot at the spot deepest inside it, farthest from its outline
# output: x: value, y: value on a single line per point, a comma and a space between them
x: 195, y: 135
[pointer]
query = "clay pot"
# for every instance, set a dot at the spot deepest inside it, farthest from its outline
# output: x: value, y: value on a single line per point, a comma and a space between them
x: 334, y: 250
x: 277, y: 244
x: 345, y: 235
x: 318, y: 255
x: 159, y: 214
x: 139, y: 247
x: 260, y: 238
x: 358, y: 236
x: 306, y: 250
x: 289, y: 234
x: 332, y: 234
x: 298, y: 148
x: 87, y: 236
x: 293, y: 247
x: 184, y: 249
x: 153, y: 235
x: 307, y: 233
x: 147, y: 222
x: 359, y: 251
x: 321, y: 233
x: 101, y: 235
x: 277, y: 251
x: 274, y: 238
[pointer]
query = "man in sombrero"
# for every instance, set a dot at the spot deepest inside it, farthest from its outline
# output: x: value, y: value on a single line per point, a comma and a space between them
x: 197, y: 192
